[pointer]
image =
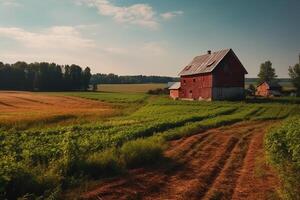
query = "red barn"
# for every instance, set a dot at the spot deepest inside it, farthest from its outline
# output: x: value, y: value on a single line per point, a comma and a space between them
x: 268, y: 88
x: 214, y: 76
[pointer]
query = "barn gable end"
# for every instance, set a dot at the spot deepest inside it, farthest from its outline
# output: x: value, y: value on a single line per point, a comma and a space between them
x: 213, y: 76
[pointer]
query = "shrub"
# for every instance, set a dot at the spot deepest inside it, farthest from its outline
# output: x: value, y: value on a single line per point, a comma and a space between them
x: 159, y: 91
x: 283, y: 149
x: 141, y: 152
x: 103, y: 164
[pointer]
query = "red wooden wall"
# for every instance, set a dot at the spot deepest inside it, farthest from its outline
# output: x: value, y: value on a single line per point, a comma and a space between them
x: 230, y: 73
x: 196, y: 86
x: 263, y: 90
x: 174, y: 94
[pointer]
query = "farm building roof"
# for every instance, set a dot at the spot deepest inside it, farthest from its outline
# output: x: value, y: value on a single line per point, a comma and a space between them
x: 271, y: 84
x: 205, y: 63
x: 175, y: 86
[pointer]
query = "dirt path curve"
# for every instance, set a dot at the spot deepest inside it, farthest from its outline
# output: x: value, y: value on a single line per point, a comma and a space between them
x: 222, y: 163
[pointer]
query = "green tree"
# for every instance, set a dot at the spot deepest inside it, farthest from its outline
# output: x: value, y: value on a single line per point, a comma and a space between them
x: 294, y: 73
x: 76, y: 77
x: 86, y: 78
x: 42, y: 76
x: 266, y: 73
x: 252, y: 89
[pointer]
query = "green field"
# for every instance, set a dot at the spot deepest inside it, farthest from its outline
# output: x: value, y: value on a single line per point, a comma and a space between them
x: 130, y: 88
x: 43, y: 162
x: 144, y: 88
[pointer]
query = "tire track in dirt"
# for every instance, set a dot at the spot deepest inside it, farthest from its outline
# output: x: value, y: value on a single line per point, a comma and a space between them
x: 211, y: 165
x: 195, y: 170
x: 261, y: 177
x: 225, y: 184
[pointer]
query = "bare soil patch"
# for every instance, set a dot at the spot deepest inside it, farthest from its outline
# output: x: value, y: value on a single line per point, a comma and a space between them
x: 21, y: 107
x: 222, y: 163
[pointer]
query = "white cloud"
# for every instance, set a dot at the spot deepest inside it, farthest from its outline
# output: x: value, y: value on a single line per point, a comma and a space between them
x: 171, y: 15
x: 11, y: 3
x: 136, y: 14
x: 67, y: 45
x: 59, y: 37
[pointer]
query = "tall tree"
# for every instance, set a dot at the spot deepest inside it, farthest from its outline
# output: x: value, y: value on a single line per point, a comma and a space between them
x: 294, y: 73
x: 42, y: 76
x: 75, y: 74
x: 86, y: 77
x: 266, y: 73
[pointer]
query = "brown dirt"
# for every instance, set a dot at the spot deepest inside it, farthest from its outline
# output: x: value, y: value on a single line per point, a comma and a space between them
x: 222, y: 163
x: 27, y: 106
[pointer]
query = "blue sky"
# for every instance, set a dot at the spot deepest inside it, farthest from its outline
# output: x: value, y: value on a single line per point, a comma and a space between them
x: 152, y: 37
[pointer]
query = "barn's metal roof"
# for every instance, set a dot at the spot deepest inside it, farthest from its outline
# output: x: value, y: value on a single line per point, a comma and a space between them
x: 204, y: 63
x: 175, y: 86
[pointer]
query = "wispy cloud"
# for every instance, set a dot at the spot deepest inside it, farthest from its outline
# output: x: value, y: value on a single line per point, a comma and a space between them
x: 72, y: 44
x: 65, y: 37
x: 10, y: 3
x: 171, y: 15
x: 136, y: 14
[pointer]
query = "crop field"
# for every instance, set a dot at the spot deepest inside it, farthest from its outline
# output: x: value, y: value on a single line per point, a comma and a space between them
x: 132, y: 88
x: 200, y: 150
x: 25, y: 108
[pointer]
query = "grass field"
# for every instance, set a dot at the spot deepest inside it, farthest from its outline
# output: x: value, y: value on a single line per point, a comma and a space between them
x: 50, y: 160
x: 144, y: 88
x: 130, y: 88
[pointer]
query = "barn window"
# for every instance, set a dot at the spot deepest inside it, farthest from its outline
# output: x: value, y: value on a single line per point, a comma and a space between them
x: 183, y: 81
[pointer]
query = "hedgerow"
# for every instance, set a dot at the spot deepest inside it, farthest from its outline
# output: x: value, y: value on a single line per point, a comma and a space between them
x: 283, y: 149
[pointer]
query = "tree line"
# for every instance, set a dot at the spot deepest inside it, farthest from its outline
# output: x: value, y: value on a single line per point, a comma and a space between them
x: 116, y: 79
x: 43, y: 77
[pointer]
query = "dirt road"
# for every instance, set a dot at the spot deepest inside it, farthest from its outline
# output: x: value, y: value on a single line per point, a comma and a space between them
x: 223, y: 163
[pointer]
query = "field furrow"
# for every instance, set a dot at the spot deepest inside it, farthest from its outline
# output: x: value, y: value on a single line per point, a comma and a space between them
x: 209, y: 165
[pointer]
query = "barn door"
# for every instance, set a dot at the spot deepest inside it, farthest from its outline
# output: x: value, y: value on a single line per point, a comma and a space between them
x: 190, y: 94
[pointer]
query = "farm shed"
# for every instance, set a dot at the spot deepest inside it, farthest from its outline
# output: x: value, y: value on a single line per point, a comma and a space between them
x: 268, y: 88
x: 214, y: 76
x: 174, y: 90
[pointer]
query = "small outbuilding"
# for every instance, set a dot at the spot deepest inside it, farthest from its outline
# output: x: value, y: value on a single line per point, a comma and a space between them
x: 269, y: 88
x: 174, y: 90
x: 213, y: 76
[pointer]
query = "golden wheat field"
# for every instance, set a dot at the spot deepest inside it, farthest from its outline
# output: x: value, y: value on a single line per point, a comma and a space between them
x: 17, y: 107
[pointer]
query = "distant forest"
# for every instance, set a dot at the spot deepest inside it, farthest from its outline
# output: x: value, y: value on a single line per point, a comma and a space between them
x: 53, y: 77
x: 116, y: 79
x: 43, y: 77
